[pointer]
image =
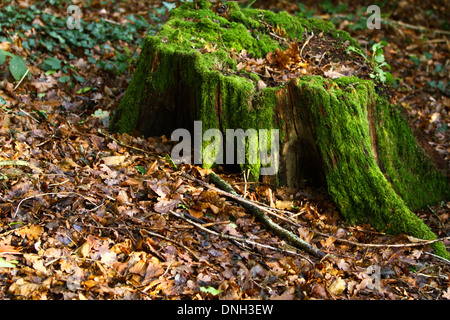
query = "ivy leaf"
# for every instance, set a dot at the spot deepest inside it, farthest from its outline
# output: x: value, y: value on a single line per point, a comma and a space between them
x: 51, y: 64
x: 64, y: 79
x: 99, y: 113
x: 17, y: 67
x: 83, y: 90
x: 169, y: 6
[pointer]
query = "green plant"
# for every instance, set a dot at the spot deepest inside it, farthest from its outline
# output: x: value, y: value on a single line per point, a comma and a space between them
x: 17, y: 66
x: 376, y: 62
x: 441, y: 85
x: 304, y: 12
x: 6, y: 264
x: 52, y: 35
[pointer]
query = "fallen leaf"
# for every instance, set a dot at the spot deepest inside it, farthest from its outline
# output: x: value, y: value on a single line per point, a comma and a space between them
x: 5, y: 45
x: 337, y: 287
x: 446, y: 294
x: 44, y: 85
x: 32, y: 232
x: 318, y: 291
x: 341, y: 71
x: 114, y: 160
x: 163, y: 206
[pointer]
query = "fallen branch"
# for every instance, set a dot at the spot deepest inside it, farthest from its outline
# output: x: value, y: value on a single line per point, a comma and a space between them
x: 126, y: 145
x: 234, y: 238
x: 418, y: 243
x: 258, y: 211
x: 14, y: 163
x: 51, y: 194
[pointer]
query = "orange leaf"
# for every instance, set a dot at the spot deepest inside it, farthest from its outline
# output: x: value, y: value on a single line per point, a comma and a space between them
x: 32, y: 232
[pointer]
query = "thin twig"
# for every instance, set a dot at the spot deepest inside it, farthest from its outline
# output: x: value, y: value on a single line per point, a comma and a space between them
x: 384, y: 245
x: 49, y: 194
x: 306, y: 42
x: 14, y: 163
x: 438, y: 257
x: 23, y: 77
x: 127, y: 145
x: 29, y: 115
x: 173, y: 241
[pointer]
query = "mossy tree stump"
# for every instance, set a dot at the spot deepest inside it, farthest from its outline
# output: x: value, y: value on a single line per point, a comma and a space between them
x: 339, y: 132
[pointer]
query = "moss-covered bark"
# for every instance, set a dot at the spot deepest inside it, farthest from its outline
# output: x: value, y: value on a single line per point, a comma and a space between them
x: 353, y: 151
x: 340, y: 133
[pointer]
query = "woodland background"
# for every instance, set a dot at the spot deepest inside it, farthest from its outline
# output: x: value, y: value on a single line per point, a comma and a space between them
x: 85, y: 214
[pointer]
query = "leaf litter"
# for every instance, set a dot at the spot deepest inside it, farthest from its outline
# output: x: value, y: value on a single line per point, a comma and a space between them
x: 88, y: 215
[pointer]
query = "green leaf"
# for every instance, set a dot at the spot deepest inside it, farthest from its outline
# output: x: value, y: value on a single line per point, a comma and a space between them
x: 378, y: 58
x: 210, y: 290
x: 99, y: 113
x: 79, y: 78
x: 3, y: 55
x: 443, y: 128
x: 83, y: 90
x: 141, y: 170
x: 2, y: 101
x: 428, y: 55
x: 51, y: 64
x: 169, y: 159
x: 389, y: 78
x: 169, y: 6
x: 64, y: 79
x: 17, y: 67
x: 10, y: 264
x: 42, y: 114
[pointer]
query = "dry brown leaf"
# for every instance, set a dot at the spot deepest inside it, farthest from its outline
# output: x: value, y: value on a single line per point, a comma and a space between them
x: 446, y: 294
x: 33, y: 232
x: 318, y: 291
x: 305, y: 234
x: 122, y: 197
x: 283, y: 204
x: 341, y: 71
x: 5, y: 45
x: 114, y: 160
x: 163, y: 206
x: 153, y: 270
x: 37, y: 262
x: 23, y: 288
x: 9, y: 249
x: 337, y: 287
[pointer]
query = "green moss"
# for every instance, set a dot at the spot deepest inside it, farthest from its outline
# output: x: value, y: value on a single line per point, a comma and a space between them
x: 407, y: 167
x: 361, y: 191
x: 125, y: 118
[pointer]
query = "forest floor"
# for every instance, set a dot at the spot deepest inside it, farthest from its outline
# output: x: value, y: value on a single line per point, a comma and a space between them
x: 85, y: 214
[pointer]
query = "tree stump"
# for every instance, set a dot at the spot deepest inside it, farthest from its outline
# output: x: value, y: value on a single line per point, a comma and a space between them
x: 233, y: 68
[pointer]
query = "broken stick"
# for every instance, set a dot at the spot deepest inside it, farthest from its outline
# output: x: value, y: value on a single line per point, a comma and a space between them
x: 227, y: 190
